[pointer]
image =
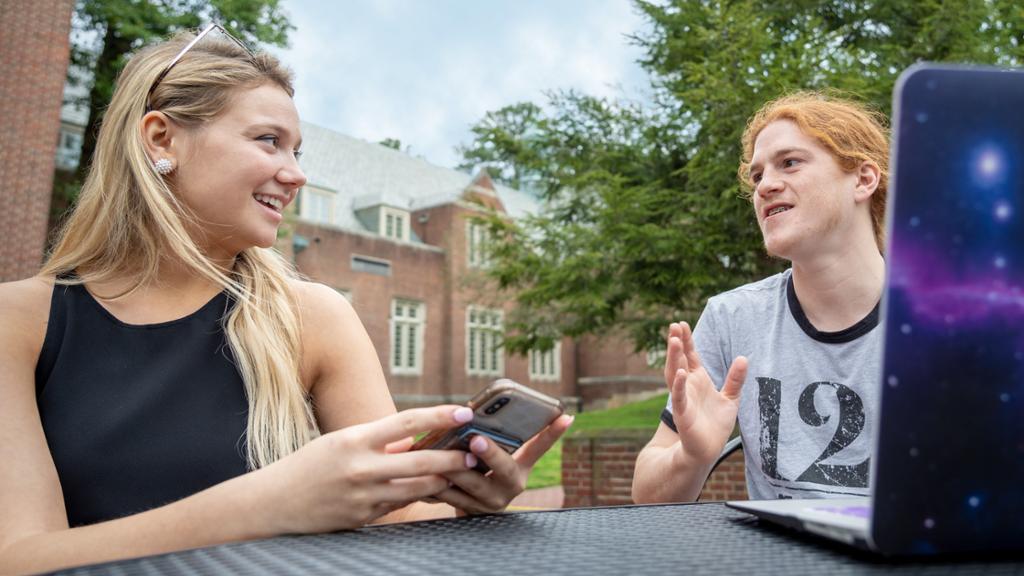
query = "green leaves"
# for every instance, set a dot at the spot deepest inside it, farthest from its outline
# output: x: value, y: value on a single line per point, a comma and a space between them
x: 643, y: 219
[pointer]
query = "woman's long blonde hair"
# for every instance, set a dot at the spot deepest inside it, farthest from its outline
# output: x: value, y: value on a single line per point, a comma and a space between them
x: 127, y: 220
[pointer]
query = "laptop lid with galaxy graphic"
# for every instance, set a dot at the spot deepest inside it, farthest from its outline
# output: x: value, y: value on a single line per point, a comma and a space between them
x: 949, y: 463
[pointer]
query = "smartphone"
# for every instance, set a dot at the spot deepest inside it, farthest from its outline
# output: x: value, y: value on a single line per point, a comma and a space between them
x: 506, y: 412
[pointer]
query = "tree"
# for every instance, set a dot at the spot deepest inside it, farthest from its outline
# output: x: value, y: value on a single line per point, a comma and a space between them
x: 644, y: 217
x: 393, y: 143
x: 106, y: 32
x: 504, y: 143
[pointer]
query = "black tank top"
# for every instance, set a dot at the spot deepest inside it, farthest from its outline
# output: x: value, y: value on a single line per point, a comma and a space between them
x: 137, y: 416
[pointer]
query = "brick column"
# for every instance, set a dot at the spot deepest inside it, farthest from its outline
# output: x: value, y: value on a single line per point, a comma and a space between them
x: 35, y: 46
x: 597, y: 466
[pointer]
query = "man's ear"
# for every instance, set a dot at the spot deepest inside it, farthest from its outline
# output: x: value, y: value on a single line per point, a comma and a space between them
x: 158, y: 136
x: 868, y: 178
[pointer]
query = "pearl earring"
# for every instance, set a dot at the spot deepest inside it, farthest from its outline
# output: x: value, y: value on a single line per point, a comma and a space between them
x: 163, y: 166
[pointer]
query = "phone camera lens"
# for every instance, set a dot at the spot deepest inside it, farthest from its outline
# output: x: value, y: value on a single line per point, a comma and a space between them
x: 497, y: 405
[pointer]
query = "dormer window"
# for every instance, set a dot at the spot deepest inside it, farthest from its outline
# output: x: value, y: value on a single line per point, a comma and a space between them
x: 317, y: 204
x: 394, y: 223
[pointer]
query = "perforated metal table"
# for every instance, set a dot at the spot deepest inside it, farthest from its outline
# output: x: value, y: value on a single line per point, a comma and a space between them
x: 657, y: 540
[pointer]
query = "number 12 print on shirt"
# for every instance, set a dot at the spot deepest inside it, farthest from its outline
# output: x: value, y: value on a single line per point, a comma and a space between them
x: 851, y: 420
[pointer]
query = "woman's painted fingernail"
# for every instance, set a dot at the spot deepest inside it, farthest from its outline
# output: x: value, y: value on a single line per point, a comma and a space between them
x: 463, y: 415
x: 470, y: 460
x: 478, y: 444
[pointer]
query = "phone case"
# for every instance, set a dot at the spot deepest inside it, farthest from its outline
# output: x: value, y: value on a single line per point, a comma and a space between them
x: 506, y: 412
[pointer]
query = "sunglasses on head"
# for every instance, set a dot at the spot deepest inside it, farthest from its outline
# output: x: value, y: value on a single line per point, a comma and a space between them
x: 176, y: 59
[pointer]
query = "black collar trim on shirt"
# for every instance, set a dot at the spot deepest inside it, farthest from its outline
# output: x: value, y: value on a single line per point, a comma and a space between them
x: 850, y: 334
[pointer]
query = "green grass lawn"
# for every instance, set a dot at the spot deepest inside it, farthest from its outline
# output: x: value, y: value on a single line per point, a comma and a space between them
x: 644, y: 415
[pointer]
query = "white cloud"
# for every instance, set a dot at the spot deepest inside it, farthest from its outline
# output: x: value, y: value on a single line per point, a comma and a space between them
x: 423, y: 72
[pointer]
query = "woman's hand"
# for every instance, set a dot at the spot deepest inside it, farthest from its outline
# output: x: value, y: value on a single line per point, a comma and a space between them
x: 352, y: 476
x: 474, y: 493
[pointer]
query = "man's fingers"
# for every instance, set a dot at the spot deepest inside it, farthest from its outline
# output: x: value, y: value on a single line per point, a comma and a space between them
x: 674, y: 358
x: 678, y: 395
x: 735, y: 378
x: 530, y: 452
x: 411, y: 422
x: 693, y: 362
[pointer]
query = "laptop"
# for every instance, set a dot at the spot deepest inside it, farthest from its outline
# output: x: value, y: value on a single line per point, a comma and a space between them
x: 948, y: 469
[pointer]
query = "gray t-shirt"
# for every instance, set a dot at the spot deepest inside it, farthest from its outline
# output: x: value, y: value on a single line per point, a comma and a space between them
x: 808, y: 403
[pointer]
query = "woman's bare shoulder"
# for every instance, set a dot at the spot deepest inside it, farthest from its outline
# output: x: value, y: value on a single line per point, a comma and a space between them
x: 316, y: 300
x: 26, y: 296
x: 327, y: 321
x: 25, y: 309
x: 324, y: 313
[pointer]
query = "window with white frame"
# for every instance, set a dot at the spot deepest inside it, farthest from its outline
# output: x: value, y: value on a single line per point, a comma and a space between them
x: 484, y: 355
x: 546, y: 365
x: 408, y: 319
x: 477, y: 240
x: 318, y: 205
x: 394, y: 223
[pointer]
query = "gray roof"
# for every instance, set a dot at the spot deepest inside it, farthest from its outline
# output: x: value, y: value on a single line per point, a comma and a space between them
x: 365, y: 174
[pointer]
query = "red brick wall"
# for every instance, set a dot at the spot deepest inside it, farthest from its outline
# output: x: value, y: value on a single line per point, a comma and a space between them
x: 612, y: 356
x: 728, y: 481
x: 416, y: 274
x: 597, y: 468
x: 610, y: 374
x: 34, y: 43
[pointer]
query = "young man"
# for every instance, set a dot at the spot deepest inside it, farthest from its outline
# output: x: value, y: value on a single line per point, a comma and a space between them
x: 794, y: 356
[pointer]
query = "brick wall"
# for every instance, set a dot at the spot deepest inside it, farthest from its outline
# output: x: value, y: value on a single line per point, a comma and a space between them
x: 416, y: 273
x: 609, y: 374
x: 597, y: 467
x: 727, y: 482
x: 34, y: 43
x: 597, y: 470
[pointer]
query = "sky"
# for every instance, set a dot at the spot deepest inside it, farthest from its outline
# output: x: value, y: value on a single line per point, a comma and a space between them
x: 424, y: 71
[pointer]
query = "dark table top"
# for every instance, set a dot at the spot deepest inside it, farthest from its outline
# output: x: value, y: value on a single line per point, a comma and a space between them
x: 657, y: 540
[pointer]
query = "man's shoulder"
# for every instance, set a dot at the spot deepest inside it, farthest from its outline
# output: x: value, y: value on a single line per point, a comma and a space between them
x: 757, y: 292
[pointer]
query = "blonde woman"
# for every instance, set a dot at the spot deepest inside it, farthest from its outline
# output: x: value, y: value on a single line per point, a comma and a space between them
x: 167, y: 382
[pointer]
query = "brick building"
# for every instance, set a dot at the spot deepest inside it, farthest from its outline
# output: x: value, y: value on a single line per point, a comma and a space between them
x: 34, y: 41
x: 394, y: 234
